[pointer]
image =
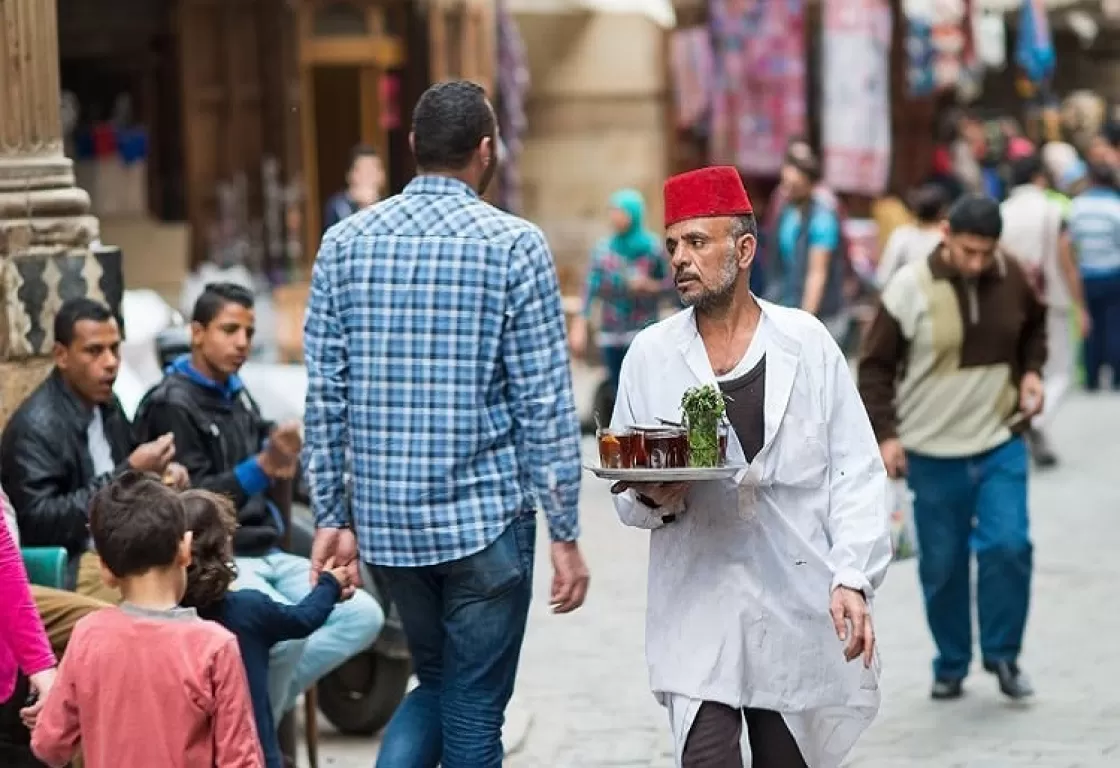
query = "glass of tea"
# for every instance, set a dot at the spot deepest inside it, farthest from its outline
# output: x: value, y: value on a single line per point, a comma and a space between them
x: 616, y: 448
x: 667, y: 448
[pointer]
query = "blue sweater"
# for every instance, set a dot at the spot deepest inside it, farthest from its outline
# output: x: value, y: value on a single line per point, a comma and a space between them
x: 259, y: 622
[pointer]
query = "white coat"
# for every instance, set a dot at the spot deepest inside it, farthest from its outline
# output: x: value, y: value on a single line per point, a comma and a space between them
x: 740, y: 582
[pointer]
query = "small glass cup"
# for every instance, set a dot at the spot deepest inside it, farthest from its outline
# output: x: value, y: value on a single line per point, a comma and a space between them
x: 616, y: 448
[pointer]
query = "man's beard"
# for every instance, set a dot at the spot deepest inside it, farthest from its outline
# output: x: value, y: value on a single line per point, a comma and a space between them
x: 719, y: 296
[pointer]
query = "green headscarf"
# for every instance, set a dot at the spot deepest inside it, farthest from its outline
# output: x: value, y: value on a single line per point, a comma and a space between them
x: 636, y: 240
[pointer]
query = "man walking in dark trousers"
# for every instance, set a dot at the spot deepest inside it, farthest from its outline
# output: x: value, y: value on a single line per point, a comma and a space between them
x: 438, y: 375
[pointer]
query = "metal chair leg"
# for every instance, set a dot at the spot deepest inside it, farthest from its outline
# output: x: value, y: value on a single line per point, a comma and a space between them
x: 311, y: 725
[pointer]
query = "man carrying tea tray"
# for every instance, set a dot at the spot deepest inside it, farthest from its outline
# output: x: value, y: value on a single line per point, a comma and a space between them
x: 760, y: 587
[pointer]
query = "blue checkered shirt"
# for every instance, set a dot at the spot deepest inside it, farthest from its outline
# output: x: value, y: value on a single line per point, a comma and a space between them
x: 438, y: 375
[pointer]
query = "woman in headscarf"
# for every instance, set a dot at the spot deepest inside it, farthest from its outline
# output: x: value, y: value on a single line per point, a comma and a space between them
x: 628, y: 278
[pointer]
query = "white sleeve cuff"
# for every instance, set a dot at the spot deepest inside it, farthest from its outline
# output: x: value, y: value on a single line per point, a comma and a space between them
x: 852, y: 579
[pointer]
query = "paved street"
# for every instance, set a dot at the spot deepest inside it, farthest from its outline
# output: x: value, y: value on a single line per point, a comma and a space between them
x: 583, y: 680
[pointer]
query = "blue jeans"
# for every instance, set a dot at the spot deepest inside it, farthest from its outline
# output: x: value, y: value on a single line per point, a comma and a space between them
x: 296, y: 665
x: 975, y: 503
x: 1102, y: 345
x: 465, y: 621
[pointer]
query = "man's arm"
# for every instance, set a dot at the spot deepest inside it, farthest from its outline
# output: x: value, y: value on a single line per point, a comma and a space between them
x: 1032, y: 346
x: 881, y: 357
x: 824, y: 239
x: 326, y: 410
x: 859, y: 532
x: 539, y: 385
x: 236, y: 744
x: 238, y: 483
x: 1067, y: 262
x: 40, y: 485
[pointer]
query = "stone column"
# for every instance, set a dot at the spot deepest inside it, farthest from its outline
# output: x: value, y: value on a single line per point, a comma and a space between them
x: 49, y: 248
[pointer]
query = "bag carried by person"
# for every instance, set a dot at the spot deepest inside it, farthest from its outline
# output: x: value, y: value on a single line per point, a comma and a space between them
x: 904, y: 540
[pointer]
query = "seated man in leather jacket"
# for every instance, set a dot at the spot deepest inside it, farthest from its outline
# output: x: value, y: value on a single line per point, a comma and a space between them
x: 70, y: 437
x: 229, y: 448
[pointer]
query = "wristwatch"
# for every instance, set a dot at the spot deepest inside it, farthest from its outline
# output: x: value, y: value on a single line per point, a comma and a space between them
x: 655, y: 506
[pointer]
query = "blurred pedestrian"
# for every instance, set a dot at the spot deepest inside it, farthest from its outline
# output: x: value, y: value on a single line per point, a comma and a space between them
x: 628, y: 278
x: 760, y: 586
x: 912, y: 242
x: 365, y: 179
x: 1035, y: 231
x: 808, y: 263
x: 951, y: 374
x: 1095, y: 228
x: 439, y: 418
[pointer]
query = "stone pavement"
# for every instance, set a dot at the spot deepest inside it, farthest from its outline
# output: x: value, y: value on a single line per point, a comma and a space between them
x: 583, y: 680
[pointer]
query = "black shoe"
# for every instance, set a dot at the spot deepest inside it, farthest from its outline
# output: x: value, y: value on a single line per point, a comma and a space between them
x: 949, y: 688
x: 1041, y: 452
x: 1013, y: 682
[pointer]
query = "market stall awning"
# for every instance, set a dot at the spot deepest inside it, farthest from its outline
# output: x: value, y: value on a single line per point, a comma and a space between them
x: 661, y: 11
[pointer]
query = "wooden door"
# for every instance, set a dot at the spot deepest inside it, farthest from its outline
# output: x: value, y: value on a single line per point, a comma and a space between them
x: 345, y: 48
x: 220, y: 51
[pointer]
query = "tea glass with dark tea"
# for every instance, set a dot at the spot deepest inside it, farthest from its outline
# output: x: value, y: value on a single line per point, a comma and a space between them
x: 667, y: 448
x: 621, y: 449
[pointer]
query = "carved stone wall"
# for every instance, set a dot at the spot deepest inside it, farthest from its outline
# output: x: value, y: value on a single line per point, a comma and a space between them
x: 46, y: 232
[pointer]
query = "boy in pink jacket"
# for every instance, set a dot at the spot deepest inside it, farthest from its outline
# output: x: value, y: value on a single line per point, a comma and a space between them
x: 148, y: 683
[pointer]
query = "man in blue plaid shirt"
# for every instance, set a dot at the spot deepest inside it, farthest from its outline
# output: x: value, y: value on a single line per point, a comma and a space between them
x: 438, y: 371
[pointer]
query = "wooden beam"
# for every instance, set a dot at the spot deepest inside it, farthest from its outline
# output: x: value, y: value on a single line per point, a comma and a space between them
x: 384, y: 52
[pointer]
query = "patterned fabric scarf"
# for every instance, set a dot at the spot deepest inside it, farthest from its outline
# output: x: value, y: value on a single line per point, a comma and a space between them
x: 513, y: 86
x: 758, y: 103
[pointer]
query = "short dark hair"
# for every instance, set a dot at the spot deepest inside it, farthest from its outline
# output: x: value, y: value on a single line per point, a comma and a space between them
x: 74, y: 311
x: 744, y: 225
x: 928, y: 202
x: 213, y: 521
x: 358, y: 151
x: 976, y: 214
x: 1026, y: 169
x: 137, y: 524
x: 215, y: 297
x: 450, y: 120
x: 1102, y: 175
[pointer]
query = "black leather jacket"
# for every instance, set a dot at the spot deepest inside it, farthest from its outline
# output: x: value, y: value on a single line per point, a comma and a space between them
x: 45, y: 465
x: 214, y: 433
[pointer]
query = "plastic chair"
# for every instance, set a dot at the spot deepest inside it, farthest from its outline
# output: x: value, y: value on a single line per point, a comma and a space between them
x: 46, y: 566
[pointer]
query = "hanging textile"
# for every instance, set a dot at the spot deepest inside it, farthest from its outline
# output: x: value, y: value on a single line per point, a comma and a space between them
x: 855, y: 85
x: 1034, y: 51
x: 921, y: 80
x: 758, y: 102
x: 948, y: 42
x: 513, y: 87
x: 691, y: 53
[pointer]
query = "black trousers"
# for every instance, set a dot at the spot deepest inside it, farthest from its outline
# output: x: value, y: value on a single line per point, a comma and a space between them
x: 713, y: 741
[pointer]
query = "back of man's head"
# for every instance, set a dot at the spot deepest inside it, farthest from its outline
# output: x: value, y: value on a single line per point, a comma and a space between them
x: 74, y: 311
x: 1026, y: 170
x: 929, y: 203
x: 449, y: 123
x: 978, y: 215
x: 137, y: 524
x: 215, y: 297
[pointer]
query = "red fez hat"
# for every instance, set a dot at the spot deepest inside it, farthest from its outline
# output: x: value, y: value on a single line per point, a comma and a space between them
x: 707, y: 192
